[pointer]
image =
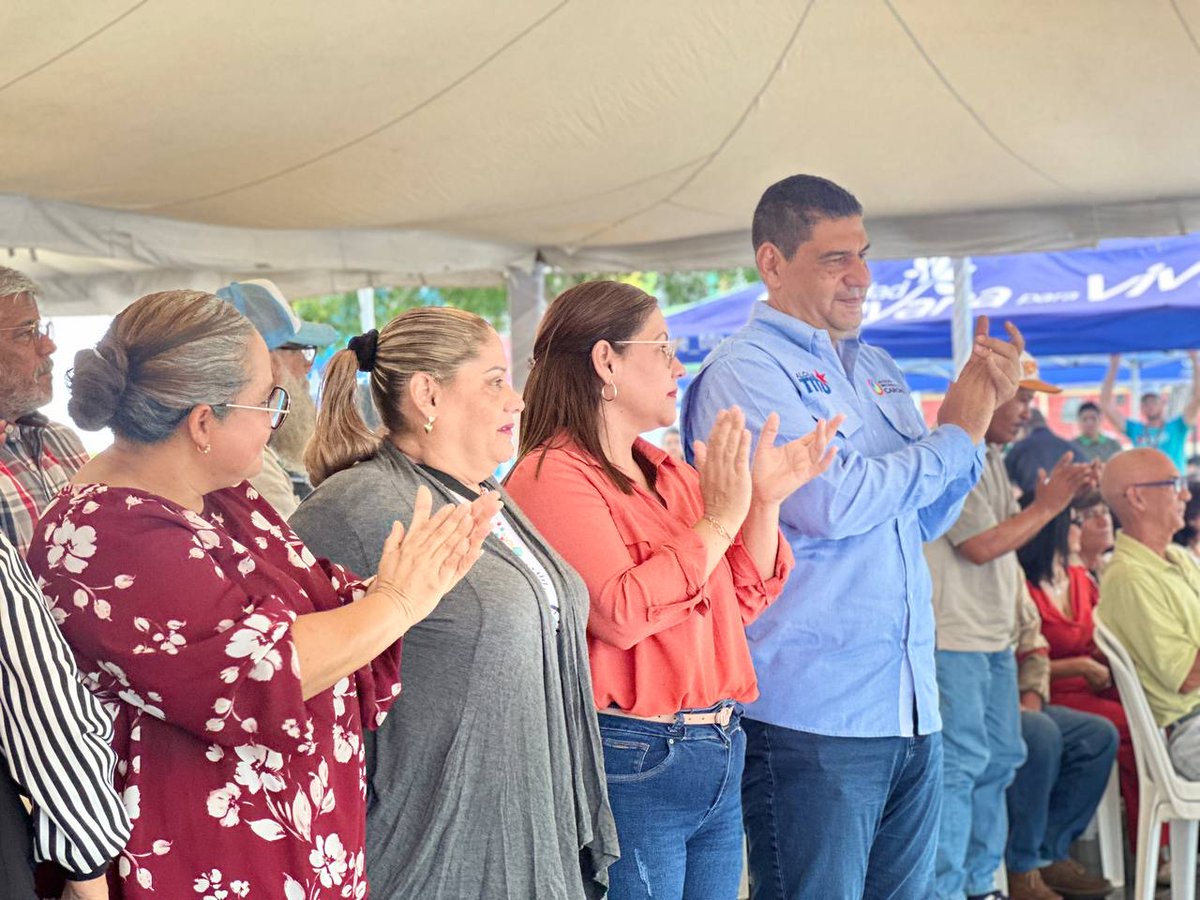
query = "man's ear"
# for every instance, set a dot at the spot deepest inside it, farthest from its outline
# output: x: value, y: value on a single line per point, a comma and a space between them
x: 769, y: 260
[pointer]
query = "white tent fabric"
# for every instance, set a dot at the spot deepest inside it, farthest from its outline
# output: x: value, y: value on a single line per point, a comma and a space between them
x: 147, y: 143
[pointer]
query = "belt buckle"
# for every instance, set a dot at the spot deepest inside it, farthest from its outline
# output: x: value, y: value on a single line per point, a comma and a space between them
x: 725, y: 716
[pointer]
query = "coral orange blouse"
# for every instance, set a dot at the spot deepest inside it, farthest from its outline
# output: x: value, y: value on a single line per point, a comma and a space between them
x: 661, y: 637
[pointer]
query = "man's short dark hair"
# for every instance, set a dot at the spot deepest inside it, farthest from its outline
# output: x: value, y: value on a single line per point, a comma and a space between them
x: 1088, y: 406
x: 788, y: 210
x: 1150, y: 395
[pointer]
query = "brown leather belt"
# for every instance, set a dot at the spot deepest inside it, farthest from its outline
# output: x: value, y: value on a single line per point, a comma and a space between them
x: 722, y: 716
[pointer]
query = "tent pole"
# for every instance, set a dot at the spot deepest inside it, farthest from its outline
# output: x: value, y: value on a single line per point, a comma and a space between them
x: 366, y: 309
x: 962, y: 332
x: 1135, y: 387
x: 526, y: 303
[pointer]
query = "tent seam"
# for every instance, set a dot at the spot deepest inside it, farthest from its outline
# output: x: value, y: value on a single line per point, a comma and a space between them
x: 962, y: 101
x: 69, y: 50
x: 436, y: 95
x: 1186, y: 27
x: 722, y: 144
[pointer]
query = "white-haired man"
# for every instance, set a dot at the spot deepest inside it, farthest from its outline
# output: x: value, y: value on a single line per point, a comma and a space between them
x: 37, y: 456
x: 293, y: 344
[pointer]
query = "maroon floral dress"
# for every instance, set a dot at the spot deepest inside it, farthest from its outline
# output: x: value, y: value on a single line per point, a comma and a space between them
x: 181, y: 624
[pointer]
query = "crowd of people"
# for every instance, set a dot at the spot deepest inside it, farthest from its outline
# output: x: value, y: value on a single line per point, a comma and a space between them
x: 260, y: 648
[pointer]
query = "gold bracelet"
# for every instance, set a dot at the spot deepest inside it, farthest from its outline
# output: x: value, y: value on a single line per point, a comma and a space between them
x: 720, y: 529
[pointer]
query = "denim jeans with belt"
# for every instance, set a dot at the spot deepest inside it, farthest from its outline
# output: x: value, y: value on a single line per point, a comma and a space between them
x: 840, y: 818
x: 675, y: 792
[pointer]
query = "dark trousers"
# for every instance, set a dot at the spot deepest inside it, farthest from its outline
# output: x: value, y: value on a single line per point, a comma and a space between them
x: 16, y: 845
x: 842, y: 818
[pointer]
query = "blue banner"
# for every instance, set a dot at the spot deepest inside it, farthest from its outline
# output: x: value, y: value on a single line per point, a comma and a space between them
x: 1140, y: 297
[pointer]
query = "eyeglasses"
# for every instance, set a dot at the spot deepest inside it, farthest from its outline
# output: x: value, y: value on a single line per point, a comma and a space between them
x: 27, y: 334
x: 669, y: 348
x: 1177, y: 484
x: 278, y: 404
x: 308, y: 353
x: 1079, y: 516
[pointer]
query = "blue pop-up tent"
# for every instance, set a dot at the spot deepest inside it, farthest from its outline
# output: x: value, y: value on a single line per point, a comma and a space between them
x: 1141, y: 296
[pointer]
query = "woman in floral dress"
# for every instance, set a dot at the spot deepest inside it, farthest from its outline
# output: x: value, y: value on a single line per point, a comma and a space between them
x: 241, y: 670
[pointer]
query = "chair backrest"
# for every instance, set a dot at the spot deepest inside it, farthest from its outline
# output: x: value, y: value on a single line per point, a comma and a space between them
x: 1149, y: 740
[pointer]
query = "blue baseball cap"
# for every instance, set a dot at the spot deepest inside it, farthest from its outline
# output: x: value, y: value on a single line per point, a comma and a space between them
x: 264, y: 305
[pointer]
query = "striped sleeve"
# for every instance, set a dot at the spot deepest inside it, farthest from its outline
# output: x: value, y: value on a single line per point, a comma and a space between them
x: 53, y: 733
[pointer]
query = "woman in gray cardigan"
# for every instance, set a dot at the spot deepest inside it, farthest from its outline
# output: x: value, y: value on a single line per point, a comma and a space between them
x: 487, y: 779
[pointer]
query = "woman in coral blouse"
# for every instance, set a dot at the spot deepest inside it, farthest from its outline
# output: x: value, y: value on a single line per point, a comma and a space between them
x: 240, y: 670
x: 676, y: 562
x: 1066, y: 595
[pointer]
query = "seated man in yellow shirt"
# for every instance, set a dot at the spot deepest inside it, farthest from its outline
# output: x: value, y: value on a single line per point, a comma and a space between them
x: 1150, y: 594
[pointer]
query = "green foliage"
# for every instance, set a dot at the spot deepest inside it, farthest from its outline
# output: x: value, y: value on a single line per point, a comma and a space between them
x: 671, y: 288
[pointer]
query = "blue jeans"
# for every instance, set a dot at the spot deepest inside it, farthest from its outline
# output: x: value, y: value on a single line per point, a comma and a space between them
x: 981, y: 737
x: 1056, y: 792
x: 675, y: 792
x: 831, y: 817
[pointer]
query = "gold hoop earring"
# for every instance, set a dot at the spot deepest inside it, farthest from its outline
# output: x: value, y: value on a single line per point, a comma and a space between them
x: 606, y: 398
x: 428, y: 426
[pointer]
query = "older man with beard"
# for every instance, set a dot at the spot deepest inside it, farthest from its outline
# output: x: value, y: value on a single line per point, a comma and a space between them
x: 293, y: 344
x: 37, y: 456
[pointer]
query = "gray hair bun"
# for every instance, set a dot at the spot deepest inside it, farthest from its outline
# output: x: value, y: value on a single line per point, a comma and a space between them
x: 97, y: 384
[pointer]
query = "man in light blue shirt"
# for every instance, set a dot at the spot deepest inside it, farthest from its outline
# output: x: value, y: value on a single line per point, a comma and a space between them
x: 843, y: 767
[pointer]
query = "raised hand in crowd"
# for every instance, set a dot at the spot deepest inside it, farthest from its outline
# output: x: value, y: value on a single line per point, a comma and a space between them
x: 724, y: 465
x: 777, y: 471
x: 1066, y: 481
x: 989, y: 378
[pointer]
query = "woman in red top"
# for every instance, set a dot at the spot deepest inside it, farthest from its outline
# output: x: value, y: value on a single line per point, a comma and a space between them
x: 240, y: 670
x: 676, y: 563
x: 1066, y: 595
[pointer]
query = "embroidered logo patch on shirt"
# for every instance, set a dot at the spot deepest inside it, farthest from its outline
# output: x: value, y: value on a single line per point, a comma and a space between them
x: 884, y: 386
x: 814, y: 382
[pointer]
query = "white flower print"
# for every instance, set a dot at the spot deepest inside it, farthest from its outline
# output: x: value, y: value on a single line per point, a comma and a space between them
x: 258, y: 768
x: 345, y: 744
x: 163, y: 638
x: 131, y: 798
x: 71, y: 546
x: 209, y: 884
x: 328, y: 859
x: 292, y: 889
x: 254, y: 640
x: 223, y: 804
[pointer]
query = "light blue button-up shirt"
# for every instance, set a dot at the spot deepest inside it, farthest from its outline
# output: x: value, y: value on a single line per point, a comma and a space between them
x: 848, y: 648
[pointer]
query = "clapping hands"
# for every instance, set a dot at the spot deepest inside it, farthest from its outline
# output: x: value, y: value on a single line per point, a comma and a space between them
x: 777, y: 471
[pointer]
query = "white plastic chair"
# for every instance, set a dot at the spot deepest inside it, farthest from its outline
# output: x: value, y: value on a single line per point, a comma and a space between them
x: 1110, y: 833
x: 1165, y: 796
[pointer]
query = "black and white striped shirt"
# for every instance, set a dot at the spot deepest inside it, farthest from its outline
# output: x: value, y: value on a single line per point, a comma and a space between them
x: 54, y: 734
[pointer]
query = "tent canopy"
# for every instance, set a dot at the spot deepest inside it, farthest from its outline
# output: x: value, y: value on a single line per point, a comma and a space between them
x: 1141, y: 296
x: 148, y: 145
